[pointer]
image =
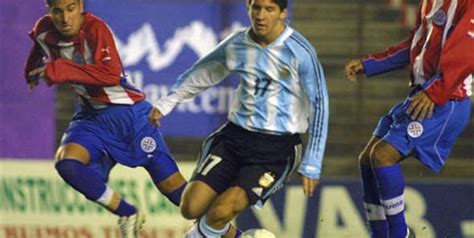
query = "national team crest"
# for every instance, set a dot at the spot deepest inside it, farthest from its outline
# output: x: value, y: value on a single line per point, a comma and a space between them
x: 284, y: 73
x: 148, y: 144
x: 266, y: 180
x: 439, y: 17
x: 415, y: 129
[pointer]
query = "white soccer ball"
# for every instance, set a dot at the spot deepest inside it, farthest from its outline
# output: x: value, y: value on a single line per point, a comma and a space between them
x: 257, y: 233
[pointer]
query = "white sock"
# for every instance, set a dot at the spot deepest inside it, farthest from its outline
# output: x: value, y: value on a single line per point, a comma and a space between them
x: 210, y: 232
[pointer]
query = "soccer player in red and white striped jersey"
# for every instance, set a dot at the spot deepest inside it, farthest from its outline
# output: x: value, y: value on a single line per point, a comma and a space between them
x: 439, y: 53
x: 77, y: 48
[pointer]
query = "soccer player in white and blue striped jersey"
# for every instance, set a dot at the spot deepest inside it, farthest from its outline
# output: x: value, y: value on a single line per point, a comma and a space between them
x: 282, y: 93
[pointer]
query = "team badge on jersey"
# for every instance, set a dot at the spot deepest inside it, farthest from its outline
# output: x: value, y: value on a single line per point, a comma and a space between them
x: 415, y: 129
x: 148, y: 144
x: 266, y: 180
x: 439, y: 17
x: 284, y: 73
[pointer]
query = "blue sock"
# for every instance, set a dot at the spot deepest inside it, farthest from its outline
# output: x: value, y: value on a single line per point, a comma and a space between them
x: 391, y: 185
x: 89, y: 183
x: 373, y: 208
x: 124, y: 209
x: 175, y: 196
x: 238, y: 233
x: 81, y: 178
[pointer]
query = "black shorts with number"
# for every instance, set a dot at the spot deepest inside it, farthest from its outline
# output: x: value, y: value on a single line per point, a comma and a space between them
x: 259, y: 163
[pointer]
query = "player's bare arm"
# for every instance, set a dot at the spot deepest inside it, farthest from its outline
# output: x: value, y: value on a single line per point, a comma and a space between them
x: 309, y: 185
x: 353, y: 68
x: 421, y: 107
x: 155, y: 116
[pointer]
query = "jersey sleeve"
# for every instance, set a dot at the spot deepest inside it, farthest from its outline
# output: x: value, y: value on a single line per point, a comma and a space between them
x: 104, y: 71
x: 392, y: 58
x: 314, y: 85
x: 35, y: 57
x: 456, y: 61
x: 205, y: 73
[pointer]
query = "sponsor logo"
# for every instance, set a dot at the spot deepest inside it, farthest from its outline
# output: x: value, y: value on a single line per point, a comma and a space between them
x: 148, y: 144
x: 415, y: 129
x: 258, y: 191
x: 143, y: 44
x: 393, y: 205
x: 105, y: 50
x: 471, y: 34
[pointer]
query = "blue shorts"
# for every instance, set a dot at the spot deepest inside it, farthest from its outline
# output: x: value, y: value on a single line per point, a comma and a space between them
x: 123, y: 134
x: 431, y: 140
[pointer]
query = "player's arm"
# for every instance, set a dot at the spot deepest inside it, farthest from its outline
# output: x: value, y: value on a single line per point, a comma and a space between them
x: 393, y: 58
x: 205, y: 73
x: 34, y: 63
x: 34, y: 66
x: 314, y: 84
x: 104, y: 71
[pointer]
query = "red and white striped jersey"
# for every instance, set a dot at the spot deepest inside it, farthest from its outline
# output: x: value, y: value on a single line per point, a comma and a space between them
x: 88, y: 61
x: 439, y: 50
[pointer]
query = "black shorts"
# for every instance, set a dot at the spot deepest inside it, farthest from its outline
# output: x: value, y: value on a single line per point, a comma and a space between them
x: 259, y: 163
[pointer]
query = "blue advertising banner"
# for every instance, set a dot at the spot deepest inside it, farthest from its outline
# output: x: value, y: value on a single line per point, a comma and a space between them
x: 433, y: 209
x: 159, y: 40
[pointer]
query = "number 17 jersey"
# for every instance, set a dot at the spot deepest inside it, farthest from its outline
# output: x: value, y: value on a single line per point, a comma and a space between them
x: 282, y: 88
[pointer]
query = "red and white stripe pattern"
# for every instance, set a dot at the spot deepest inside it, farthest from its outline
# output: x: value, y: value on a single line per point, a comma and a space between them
x: 95, y: 72
x: 437, y: 18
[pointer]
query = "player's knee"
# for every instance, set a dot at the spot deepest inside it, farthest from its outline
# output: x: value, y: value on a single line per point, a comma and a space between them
x: 72, y: 151
x: 221, y: 213
x: 364, y: 158
x: 381, y: 156
x: 190, y: 211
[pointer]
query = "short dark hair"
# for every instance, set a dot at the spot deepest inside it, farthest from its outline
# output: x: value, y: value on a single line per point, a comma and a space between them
x: 283, y: 4
x: 49, y: 3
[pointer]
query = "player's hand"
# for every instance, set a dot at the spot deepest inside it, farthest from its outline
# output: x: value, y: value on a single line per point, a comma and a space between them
x: 309, y: 185
x: 32, y: 83
x: 155, y: 116
x: 38, y: 74
x: 34, y: 76
x: 353, y: 68
x: 421, y: 107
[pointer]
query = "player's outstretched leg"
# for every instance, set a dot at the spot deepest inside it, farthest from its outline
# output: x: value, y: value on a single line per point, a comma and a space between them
x: 374, y: 210
x: 391, y: 184
x: 71, y: 165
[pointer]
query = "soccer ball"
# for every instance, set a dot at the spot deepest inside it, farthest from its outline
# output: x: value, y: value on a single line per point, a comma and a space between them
x: 257, y: 233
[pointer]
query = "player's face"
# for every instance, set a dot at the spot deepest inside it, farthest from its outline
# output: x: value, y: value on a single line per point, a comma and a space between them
x: 67, y: 16
x: 267, y: 19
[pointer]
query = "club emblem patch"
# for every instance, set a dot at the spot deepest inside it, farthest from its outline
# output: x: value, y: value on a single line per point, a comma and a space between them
x: 415, y: 129
x: 148, y: 144
x: 439, y: 17
x: 284, y: 73
x: 266, y: 180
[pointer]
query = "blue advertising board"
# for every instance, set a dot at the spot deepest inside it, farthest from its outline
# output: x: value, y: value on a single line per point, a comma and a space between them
x: 159, y: 40
x: 433, y: 209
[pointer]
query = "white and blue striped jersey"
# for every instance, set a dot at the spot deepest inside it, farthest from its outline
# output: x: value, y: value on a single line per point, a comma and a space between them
x: 282, y: 89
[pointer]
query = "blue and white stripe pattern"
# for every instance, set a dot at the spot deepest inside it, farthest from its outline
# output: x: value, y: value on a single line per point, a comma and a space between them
x: 282, y: 89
